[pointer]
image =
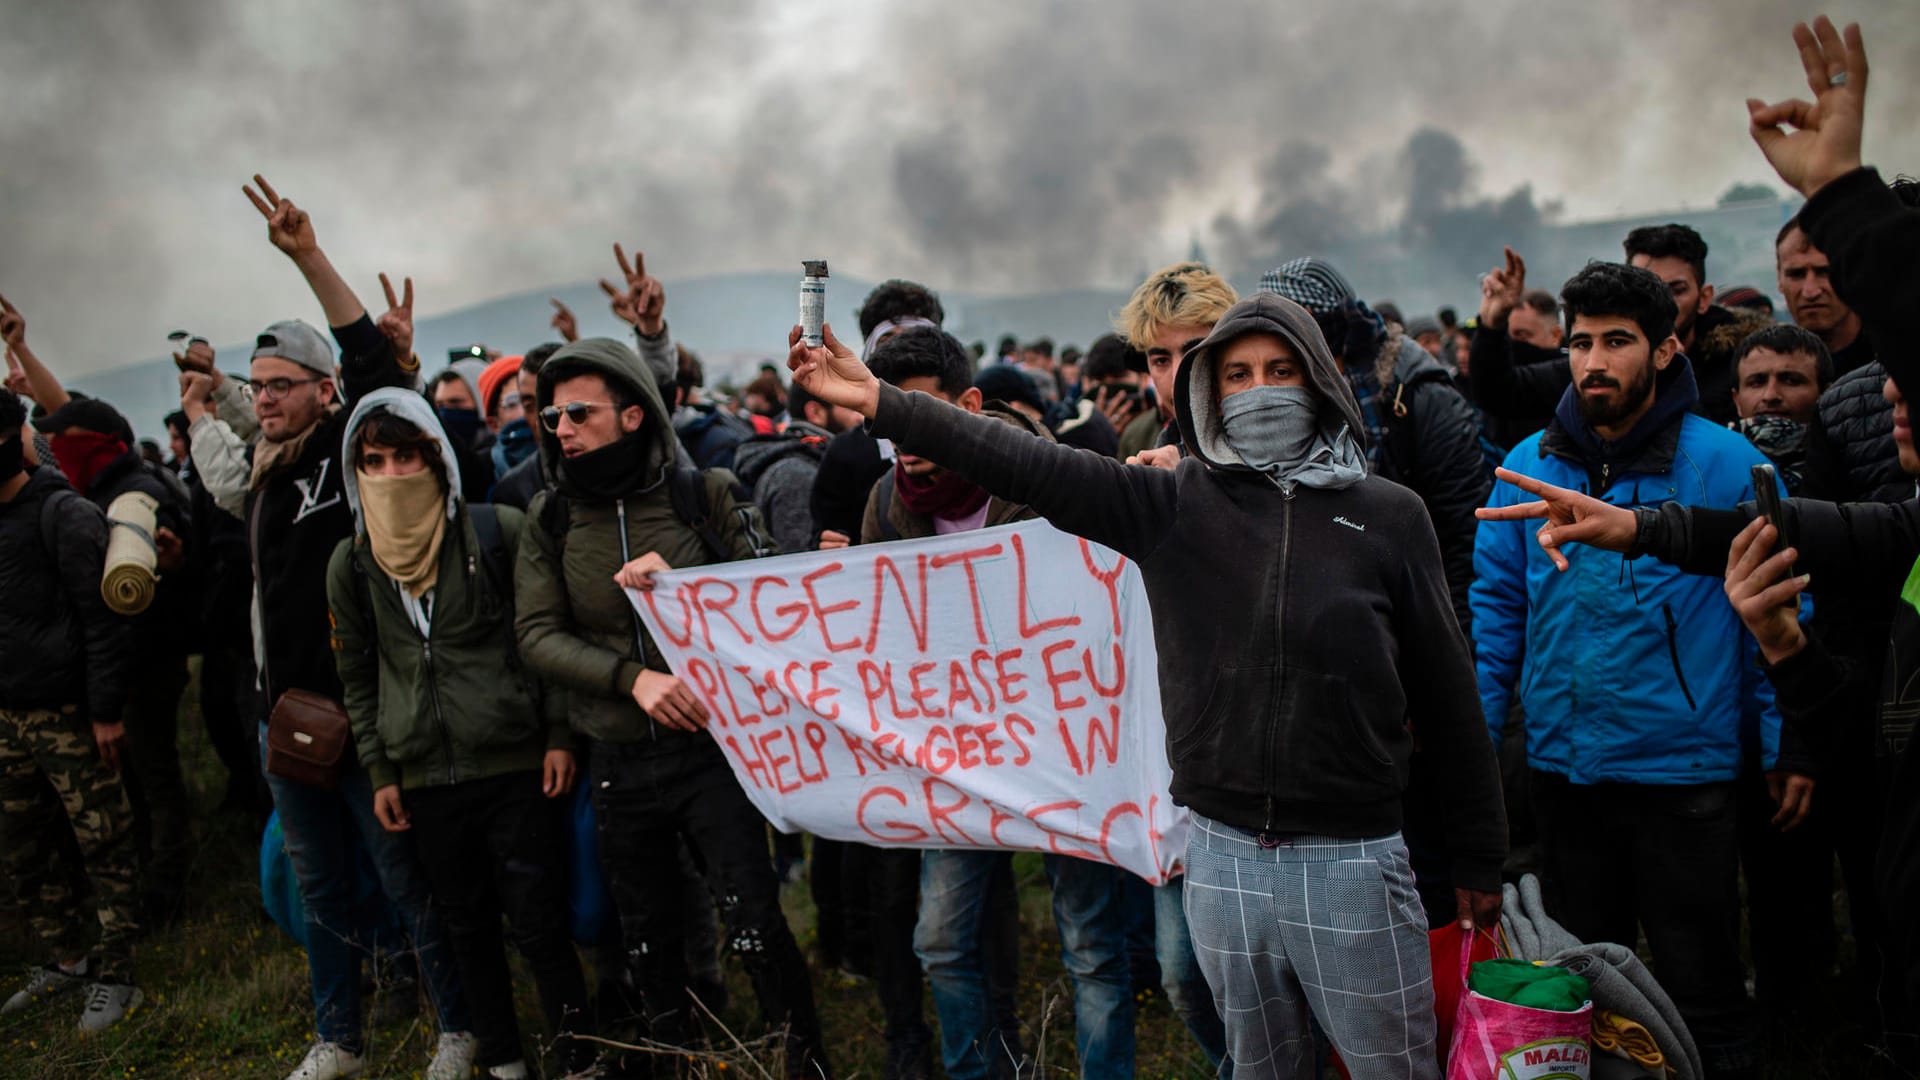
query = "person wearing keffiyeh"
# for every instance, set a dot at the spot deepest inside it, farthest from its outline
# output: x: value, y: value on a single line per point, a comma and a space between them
x: 1421, y: 432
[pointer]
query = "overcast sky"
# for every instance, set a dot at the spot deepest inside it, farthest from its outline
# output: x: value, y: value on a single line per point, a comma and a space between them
x: 993, y: 145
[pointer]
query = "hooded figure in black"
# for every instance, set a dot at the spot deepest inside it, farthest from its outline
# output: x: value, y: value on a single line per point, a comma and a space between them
x: 1308, y: 660
x: 609, y: 451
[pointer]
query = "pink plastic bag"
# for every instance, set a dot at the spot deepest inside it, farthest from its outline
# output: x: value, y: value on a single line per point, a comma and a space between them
x: 1495, y: 1040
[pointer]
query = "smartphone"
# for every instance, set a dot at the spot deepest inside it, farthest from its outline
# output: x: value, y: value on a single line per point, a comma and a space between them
x: 1766, y: 493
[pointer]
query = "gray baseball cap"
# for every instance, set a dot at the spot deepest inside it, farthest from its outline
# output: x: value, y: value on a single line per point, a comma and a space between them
x: 294, y: 341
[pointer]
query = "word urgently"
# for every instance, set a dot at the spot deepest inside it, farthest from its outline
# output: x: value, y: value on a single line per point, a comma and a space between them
x: 990, y: 689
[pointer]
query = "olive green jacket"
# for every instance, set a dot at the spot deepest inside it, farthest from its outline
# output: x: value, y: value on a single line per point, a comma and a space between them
x: 454, y: 704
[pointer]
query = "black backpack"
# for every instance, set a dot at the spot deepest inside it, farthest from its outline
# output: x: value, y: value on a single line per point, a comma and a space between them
x: 50, y: 518
x: 1399, y: 446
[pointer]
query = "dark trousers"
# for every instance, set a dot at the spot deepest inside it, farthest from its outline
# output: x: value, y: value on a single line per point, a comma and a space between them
x: 231, y: 712
x: 161, y: 809
x: 495, y: 846
x: 1621, y: 858
x: 647, y: 800
x: 1789, y: 898
x: 836, y: 876
x: 893, y: 886
x: 1136, y: 903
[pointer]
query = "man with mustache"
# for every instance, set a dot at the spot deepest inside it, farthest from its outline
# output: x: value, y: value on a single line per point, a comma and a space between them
x: 1637, y: 681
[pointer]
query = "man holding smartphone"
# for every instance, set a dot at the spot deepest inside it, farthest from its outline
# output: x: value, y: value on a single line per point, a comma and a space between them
x: 1640, y: 687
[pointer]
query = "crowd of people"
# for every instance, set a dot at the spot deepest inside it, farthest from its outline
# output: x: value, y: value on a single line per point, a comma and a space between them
x: 1388, y: 686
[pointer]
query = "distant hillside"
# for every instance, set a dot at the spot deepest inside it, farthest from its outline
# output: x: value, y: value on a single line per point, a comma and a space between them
x: 736, y: 321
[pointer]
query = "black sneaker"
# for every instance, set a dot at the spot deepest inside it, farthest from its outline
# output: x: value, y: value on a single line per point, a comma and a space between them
x: 909, y: 1059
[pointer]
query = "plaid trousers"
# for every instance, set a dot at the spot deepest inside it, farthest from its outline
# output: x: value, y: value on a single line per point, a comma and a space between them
x: 1312, y: 926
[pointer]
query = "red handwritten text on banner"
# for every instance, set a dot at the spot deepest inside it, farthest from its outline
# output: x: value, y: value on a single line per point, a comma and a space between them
x: 986, y: 689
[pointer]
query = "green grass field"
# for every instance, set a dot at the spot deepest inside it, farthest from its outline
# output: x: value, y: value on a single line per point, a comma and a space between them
x: 227, y: 992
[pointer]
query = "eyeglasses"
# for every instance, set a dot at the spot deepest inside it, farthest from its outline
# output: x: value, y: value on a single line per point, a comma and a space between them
x: 275, y: 389
x: 575, y: 411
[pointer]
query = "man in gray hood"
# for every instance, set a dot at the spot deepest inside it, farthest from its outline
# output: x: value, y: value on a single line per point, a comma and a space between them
x: 1296, y: 677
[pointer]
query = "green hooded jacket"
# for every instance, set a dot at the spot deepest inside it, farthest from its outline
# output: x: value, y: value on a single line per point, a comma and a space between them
x: 456, y: 703
x: 575, y: 626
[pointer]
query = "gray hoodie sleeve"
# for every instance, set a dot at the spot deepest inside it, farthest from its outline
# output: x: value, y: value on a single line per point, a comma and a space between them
x: 786, y: 504
x: 1129, y: 508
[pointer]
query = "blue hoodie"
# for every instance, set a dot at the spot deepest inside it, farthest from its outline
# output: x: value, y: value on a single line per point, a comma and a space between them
x: 1630, y: 672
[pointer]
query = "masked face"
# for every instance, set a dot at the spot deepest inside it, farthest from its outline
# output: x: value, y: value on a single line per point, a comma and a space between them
x: 84, y: 454
x: 970, y: 400
x: 1270, y: 427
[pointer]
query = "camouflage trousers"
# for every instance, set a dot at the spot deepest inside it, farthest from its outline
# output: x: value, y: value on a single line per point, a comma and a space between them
x: 40, y: 749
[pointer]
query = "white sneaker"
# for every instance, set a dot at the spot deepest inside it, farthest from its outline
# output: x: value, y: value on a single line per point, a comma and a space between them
x: 328, y: 1061
x: 107, y: 1005
x: 453, y: 1058
x: 47, y: 983
x: 512, y: 1070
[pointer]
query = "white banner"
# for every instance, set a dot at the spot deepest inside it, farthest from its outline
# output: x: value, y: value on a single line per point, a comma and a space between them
x: 988, y: 689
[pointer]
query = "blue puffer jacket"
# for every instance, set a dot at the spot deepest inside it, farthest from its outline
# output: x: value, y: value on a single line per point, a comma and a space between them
x: 1628, y: 672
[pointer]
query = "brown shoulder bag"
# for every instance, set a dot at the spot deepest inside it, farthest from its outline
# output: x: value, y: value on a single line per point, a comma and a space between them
x: 308, y: 739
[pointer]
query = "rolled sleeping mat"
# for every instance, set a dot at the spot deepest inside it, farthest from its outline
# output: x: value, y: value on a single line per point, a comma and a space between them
x: 126, y: 583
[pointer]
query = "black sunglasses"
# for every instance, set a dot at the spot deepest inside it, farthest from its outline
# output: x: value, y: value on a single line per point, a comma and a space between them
x: 575, y: 411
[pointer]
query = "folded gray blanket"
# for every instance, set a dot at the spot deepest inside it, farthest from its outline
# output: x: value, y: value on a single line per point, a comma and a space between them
x: 1622, y: 984
x: 1531, y: 932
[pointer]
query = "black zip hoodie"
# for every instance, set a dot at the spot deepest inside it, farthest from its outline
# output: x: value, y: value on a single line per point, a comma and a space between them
x: 1308, y: 652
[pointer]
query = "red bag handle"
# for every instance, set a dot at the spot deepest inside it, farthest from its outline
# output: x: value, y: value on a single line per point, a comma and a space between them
x: 1501, y: 947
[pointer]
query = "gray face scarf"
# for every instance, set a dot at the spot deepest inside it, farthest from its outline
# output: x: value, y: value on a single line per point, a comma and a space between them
x: 1276, y: 429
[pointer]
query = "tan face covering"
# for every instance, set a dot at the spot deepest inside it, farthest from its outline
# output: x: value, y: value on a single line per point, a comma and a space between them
x: 406, y: 519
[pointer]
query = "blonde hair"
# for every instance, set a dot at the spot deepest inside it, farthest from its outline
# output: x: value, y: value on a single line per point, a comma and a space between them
x: 1184, y: 294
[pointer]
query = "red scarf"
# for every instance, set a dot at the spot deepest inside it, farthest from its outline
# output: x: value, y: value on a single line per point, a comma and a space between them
x: 83, y: 455
x: 944, y: 495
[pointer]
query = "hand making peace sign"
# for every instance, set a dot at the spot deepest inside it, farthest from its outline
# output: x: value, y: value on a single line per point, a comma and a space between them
x: 397, y: 323
x: 644, y: 302
x: 288, y: 226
